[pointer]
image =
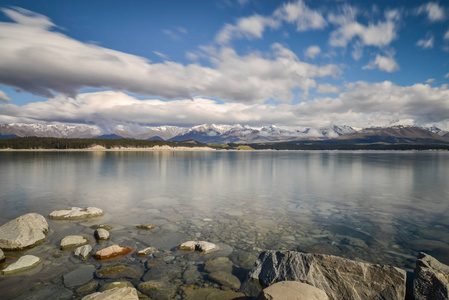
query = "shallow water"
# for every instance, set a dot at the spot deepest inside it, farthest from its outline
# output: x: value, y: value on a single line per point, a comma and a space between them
x: 378, y: 207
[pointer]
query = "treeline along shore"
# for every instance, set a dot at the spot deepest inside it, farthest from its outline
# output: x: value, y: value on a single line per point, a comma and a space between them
x: 45, y: 143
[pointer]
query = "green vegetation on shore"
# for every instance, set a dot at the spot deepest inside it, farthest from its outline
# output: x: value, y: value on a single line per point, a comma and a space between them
x: 86, y: 143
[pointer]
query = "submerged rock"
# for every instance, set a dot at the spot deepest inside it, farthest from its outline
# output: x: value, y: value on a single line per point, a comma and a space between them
x: 102, y: 234
x: 340, y: 278
x: 117, y: 284
x: 82, y: 252
x: 112, y: 252
x: 24, y: 231
x: 119, y: 270
x: 73, y: 241
x: 201, y: 246
x: 146, y: 227
x: 293, y: 290
x: 79, y: 276
x: 209, y: 293
x: 127, y: 293
x: 431, y: 279
x: 87, y: 288
x: 76, y: 213
x: 159, y: 290
x: 146, y: 251
x: 24, y: 263
x: 225, y: 279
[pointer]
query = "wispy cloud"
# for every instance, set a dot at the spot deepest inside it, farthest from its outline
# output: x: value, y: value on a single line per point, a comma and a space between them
x: 312, y: 51
x: 301, y: 15
x: 383, y: 63
x: 426, y: 43
x: 4, y: 97
x: 433, y: 11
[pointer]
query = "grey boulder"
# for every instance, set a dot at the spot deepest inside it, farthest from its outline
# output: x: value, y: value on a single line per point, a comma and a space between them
x: 431, y: 279
x: 292, y: 290
x: 340, y: 278
x: 22, y: 232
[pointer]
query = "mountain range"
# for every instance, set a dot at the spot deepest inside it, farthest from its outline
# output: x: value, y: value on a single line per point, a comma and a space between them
x: 211, y: 133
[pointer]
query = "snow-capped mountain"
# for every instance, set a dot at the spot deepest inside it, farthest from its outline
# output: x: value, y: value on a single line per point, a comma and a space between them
x: 206, y: 133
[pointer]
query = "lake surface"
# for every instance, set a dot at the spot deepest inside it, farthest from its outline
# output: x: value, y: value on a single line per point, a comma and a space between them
x: 378, y: 207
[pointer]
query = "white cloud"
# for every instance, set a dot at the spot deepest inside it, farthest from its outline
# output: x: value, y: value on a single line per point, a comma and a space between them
x: 312, y: 51
x: 304, y: 17
x: 433, y: 11
x: 430, y: 80
x: 41, y: 61
x: 446, y: 35
x: 161, y: 55
x: 362, y: 104
x: 383, y: 63
x: 327, y: 88
x: 426, y: 43
x: 380, y: 34
x: 4, y: 97
x: 249, y: 27
x: 446, y: 76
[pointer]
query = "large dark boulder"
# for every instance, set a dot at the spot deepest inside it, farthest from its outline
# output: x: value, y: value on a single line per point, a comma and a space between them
x: 431, y: 279
x: 340, y: 278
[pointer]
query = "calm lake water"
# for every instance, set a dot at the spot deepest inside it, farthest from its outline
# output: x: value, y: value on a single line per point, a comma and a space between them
x: 378, y: 207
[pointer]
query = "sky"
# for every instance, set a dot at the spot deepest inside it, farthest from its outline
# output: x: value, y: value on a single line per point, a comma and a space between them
x: 286, y: 63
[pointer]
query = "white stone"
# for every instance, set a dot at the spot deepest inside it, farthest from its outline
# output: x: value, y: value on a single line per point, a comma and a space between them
x: 24, y: 231
x: 146, y: 251
x: 188, y: 246
x: 82, y: 252
x: 72, y: 241
x: 102, y: 234
x: 2, y: 255
x: 206, y: 247
x: 75, y: 213
x: 292, y: 290
x: 24, y: 263
x: 126, y: 293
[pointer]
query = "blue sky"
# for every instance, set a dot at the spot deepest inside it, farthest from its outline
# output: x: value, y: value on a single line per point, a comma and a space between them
x: 287, y: 63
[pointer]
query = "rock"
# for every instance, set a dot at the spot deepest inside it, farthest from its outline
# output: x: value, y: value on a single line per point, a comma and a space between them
x: 24, y: 263
x: 243, y: 259
x: 201, y: 246
x: 165, y: 272
x: 73, y: 241
x: 431, y: 279
x: 340, y: 278
x: 79, y: 276
x: 191, y: 274
x: 146, y: 227
x: 146, y: 251
x: 158, y: 290
x: 82, y: 252
x: 87, y: 288
x: 220, y: 264
x: 117, y: 284
x: 119, y: 270
x: 126, y: 293
x: 50, y: 291
x: 292, y: 290
x: 112, y: 252
x: 2, y: 256
x: 102, y: 234
x: 25, y: 231
x: 225, y: 279
x: 209, y: 293
x: 76, y: 213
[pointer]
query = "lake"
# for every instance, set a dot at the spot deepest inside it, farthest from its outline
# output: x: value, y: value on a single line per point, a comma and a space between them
x: 377, y: 207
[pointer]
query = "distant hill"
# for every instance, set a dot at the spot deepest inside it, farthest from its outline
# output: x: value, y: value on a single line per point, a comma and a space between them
x: 8, y: 136
x: 109, y: 136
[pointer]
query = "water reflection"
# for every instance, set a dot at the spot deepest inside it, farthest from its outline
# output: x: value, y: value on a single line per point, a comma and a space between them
x: 387, y: 196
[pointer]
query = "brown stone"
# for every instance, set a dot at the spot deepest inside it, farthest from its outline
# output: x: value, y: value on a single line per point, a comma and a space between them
x: 112, y: 252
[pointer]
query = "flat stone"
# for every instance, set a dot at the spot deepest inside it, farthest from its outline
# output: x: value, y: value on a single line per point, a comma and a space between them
x: 22, y: 232
x: 112, y: 252
x: 191, y: 274
x: 73, y: 241
x: 431, y: 278
x: 209, y: 293
x: 200, y: 246
x: 146, y: 227
x: 292, y: 290
x: 2, y: 256
x: 87, y: 288
x: 79, y: 276
x: 24, y: 263
x: 165, y: 272
x: 82, y: 252
x: 225, y: 279
x: 158, y: 290
x: 220, y: 264
x: 76, y: 213
x: 117, y: 284
x: 119, y: 270
x: 126, y: 293
x: 102, y: 234
x: 340, y: 278
x: 146, y: 251
x: 243, y: 259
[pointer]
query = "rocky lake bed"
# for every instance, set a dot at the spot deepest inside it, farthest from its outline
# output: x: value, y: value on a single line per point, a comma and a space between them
x: 75, y: 253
